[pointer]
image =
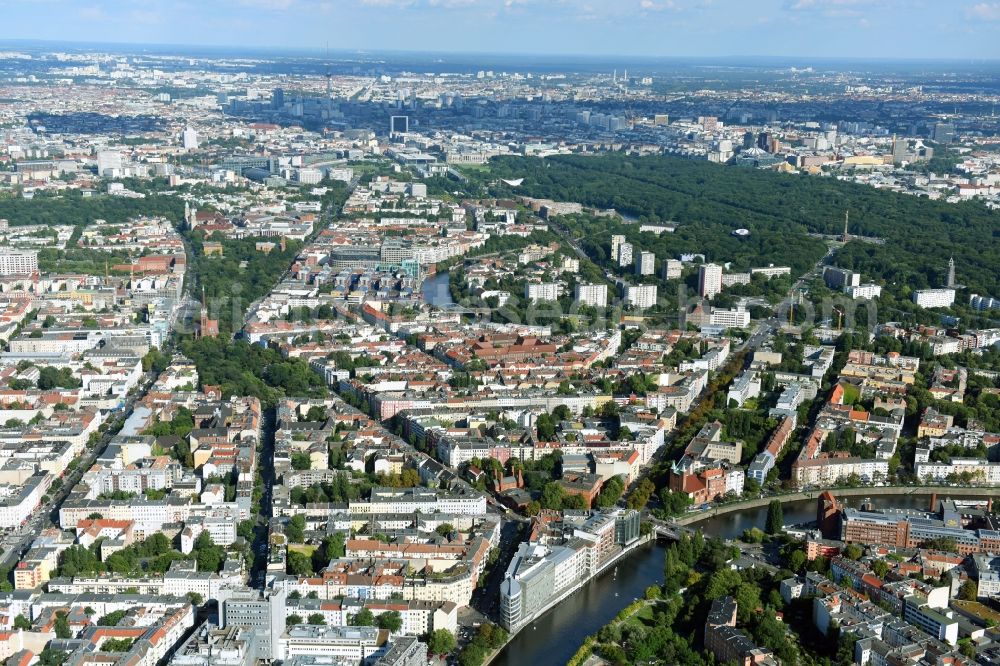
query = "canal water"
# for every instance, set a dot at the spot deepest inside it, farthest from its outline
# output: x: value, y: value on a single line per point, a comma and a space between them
x: 555, y: 637
x: 436, y: 291
x: 731, y: 525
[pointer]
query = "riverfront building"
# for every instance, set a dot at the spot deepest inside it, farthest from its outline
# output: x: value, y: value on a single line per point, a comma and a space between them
x: 542, y: 572
x: 973, y: 530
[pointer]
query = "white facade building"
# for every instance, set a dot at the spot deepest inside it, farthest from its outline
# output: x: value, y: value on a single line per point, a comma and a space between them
x: 645, y: 263
x: 109, y: 162
x: 934, y: 298
x: 545, y: 291
x: 709, y: 280
x: 190, y: 139
x: 14, y: 262
x: 624, y: 254
x: 864, y: 291
x: 640, y: 295
x: 594, y: 295
x: 672, y: 269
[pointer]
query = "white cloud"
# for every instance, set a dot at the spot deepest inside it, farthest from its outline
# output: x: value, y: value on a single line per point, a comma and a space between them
x: 825, y: 5
x: 985, y: 11
x: 658, y: 5
x: 92, y: 13
x: 272, y: 5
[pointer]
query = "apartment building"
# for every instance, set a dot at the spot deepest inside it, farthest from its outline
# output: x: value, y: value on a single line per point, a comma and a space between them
x: 709, y: 280
x: 594, y: 295
x: 18, y: 262
x: 934, y: 298
x: 641, y: 296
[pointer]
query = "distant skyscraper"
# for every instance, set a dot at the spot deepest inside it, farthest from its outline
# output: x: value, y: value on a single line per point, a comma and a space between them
x: 262, y: 612
x: 640, y: 295
x: 277, y: 98
x: 616, y: 242
x: 594, y: 295
x: 951, y: 272
x: 899, y: 149
x: 709, y: 280
x: 399, y: 125
x: 672, y: 269
x: 644, y: 263
x: 624, y: 254
x: 190, y: 139
x: 944, y: 132
x: 108, y: 162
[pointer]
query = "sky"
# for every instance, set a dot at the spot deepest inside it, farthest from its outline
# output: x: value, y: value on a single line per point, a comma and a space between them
x: 908, y: 29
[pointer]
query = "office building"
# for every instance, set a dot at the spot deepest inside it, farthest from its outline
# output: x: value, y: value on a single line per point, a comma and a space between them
x: 14, y: 262
x: 394, y: 251
x: 309, y: 176
x: 541, y: 574
x: 335, y: 645
x: 264, y: 612
x: 907, y: 528
x: 277, y: 98
x: 645, y: 263
x: 840, y: 278
x: 939, y: 623
x: 190, y: 139
x: 640, y: 296
x: 399, y: 125
x: 738, y: 317
x: 109, y: 163
x: 212, y: 646
x: 944, y: 132
x: 404, y: 651
x: 987, y: 570
x: 709, y: 280
x: 864, y: 291
x: 594, y: 295
x: 934, y: 298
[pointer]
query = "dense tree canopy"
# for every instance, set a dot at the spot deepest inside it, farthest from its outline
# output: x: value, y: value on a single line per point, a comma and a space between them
x: 708, y: 201
x: 244, y: 369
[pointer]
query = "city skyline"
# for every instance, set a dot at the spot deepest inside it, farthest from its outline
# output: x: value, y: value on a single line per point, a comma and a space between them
x: 597, y: 28
x: 405, y: 332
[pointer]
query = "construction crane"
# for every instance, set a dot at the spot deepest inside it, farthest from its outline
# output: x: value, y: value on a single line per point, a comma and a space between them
x: 840, y: 316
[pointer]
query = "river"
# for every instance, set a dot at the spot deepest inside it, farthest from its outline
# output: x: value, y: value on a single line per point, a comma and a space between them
x: 435, y: 290
x: 731, y: 525
x: 555, y: 637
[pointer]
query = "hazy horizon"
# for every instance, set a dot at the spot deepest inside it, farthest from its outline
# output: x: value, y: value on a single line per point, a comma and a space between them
x: 320, y: 53
x: 798, y: 29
